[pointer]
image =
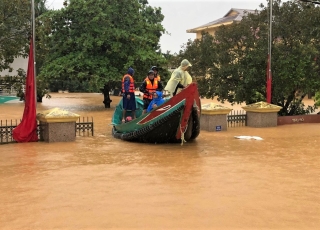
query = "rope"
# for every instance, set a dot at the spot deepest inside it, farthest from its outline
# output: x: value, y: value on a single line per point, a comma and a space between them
x: 182, y: 134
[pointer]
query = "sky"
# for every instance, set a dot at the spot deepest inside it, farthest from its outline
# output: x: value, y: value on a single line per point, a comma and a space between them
x: 181, y: 15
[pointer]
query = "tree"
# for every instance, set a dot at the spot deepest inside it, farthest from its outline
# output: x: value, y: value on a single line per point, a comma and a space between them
x: 238, y: 73
x: 19, y: 81
x: 16, y: 31
x: 42, y: 31
x: 15, y: 18
x: 202, y: 55
x: 95, y: 41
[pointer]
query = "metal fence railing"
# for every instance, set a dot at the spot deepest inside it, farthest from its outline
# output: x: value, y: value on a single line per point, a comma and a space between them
x: 84, y: 127
x: 237, y: 118
x: 6, y: 128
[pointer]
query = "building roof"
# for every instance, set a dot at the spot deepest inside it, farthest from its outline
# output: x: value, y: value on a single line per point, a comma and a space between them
x: 234, y: 15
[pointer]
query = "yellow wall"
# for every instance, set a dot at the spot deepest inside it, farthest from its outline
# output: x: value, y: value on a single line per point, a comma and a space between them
x: 210, y: 30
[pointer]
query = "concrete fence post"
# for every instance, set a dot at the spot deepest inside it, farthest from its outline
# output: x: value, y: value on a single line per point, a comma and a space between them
x: 57, y: 125
x: 262, y: 114
x: 214, y: 117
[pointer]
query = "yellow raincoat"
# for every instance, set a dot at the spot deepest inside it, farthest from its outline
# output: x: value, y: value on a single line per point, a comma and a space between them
x: 179, y: 75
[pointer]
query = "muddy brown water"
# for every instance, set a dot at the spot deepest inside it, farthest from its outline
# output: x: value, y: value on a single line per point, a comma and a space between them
x: 215, y: 182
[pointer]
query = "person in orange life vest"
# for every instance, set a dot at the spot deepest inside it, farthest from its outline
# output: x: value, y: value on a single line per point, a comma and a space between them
x: 149, y: 85
x: 129, y: 99
x: 156, y: 73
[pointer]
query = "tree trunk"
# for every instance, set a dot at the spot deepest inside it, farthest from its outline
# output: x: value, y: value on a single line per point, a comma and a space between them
x: 39, y: 99
x: 105, y: 91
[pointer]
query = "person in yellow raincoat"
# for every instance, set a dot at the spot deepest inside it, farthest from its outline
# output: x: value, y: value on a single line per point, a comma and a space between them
x: 179, y: 79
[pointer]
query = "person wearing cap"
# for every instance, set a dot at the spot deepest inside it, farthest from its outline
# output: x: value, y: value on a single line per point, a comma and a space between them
x: 156, y: 73
x: 129, y: 99
x: 179, y: 79
x: 149, y: 85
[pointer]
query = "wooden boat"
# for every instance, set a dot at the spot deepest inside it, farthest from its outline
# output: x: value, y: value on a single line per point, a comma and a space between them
x: 177, y: 120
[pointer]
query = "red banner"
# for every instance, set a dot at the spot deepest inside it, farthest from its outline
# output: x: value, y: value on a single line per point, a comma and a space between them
x: 26, y: 131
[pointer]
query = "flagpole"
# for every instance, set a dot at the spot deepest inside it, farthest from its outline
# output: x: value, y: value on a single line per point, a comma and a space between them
x: 34, y: 47
x: 270, y: 37
x: 269, y: 74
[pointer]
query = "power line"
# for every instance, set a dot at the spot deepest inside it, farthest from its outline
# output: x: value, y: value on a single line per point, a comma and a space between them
x: 314, y: 2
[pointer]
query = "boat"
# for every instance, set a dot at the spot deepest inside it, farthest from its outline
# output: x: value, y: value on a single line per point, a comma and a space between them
x: 176, y: 120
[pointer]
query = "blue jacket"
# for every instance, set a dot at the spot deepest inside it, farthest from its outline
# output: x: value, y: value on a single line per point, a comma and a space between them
x: 158, y: 101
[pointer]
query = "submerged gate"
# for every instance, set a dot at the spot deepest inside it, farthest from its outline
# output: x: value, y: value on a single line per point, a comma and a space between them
x: 237, y: 118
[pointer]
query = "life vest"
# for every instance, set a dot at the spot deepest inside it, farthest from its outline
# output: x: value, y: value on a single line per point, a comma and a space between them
x: 131, y: 87
x: 158, y: 78
x: 150, y: 88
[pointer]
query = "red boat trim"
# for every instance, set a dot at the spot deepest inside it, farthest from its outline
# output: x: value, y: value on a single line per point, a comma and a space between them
x: 158, y: 112
x: 190, y: 97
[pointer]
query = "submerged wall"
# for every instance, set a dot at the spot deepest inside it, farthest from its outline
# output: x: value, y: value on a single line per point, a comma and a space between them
x: 286, y: 120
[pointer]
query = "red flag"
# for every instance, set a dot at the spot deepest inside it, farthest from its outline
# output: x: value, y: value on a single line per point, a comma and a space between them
x: 269, y: 80
x: 26, y: 131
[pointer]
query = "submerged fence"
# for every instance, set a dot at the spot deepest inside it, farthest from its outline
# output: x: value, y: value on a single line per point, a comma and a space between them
x: 6, y: 128
x: 237, y: 118
x: 83, y: 127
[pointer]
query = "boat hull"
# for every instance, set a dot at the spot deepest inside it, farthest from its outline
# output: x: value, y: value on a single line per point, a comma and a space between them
x: 177, y: 120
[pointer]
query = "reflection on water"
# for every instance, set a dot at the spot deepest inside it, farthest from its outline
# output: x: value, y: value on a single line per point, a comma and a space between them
x: 215, y: 182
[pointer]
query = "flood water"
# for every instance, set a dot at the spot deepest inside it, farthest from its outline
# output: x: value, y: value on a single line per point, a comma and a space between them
x: 214, y: 182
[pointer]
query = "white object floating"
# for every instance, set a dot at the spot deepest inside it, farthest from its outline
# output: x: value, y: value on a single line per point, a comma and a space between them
x: 249, y: 137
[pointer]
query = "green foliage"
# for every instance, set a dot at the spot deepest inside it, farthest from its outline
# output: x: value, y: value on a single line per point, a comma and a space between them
x: 317, y: 99
x: 235, y: 63
x: 42, y: 90
x: 41, y: 49
x: 15, y: 30
x: 96, y: 41
x: 199, y: 53
x: 18, y: 82
x: 70, y: 85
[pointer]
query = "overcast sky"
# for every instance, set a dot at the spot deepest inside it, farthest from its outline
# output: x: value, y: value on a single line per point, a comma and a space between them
x: 181, y: 15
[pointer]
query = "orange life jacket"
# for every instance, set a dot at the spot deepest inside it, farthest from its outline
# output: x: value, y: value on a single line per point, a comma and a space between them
x: 150, y: 88
x: 158, y: 78
x: 131, y: 87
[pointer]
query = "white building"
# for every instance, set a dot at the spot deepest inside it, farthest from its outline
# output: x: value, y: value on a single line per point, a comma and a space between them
x: 19, y: 62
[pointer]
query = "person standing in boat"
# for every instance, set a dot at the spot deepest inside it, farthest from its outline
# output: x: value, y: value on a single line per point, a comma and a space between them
x: 149, y: 86
x: 129, y: 99
x: 156, y: 73
x: 180, y: 78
